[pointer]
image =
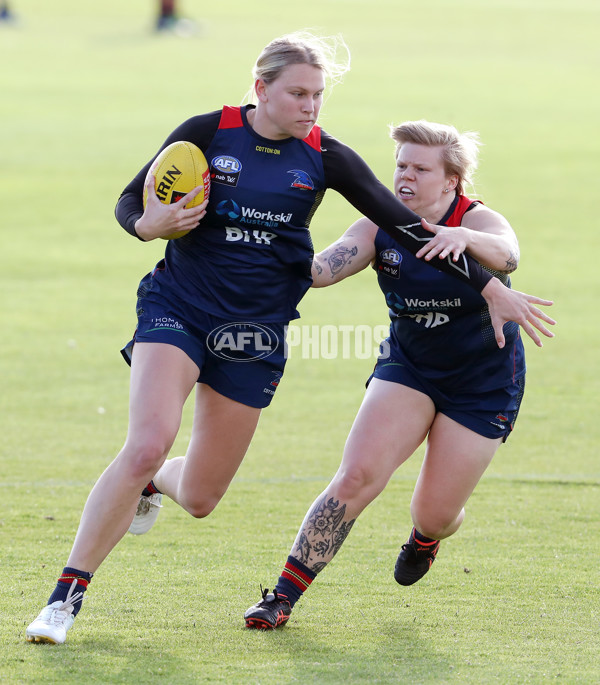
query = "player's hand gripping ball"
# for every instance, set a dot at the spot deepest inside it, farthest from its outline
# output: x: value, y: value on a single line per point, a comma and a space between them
x: 178, y: 169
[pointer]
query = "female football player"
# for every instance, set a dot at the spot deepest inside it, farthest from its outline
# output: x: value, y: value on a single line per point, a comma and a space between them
x: 248, y: 260
x: 440, y: 375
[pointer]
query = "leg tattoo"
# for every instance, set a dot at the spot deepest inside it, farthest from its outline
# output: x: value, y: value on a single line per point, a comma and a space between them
x: 322, y: 534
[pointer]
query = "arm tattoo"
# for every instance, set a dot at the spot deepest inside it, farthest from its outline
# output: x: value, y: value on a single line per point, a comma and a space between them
x: 318, y: 267
x: 340, y: 257
x: 323, y: 533
x: 512, y: 262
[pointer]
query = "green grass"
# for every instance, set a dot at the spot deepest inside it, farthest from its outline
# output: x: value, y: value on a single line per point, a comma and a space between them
x: 87, y: 94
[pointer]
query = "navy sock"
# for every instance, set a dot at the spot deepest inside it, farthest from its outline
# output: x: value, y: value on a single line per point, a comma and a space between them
x: 294, y: 580
x: 151, y: 489
x: 64, y: 585
x: 422, y: 538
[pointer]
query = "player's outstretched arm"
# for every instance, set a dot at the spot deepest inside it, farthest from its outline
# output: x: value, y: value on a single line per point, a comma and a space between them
x: 484, y: 234
x: 511, y: 305
x: 347, y: 256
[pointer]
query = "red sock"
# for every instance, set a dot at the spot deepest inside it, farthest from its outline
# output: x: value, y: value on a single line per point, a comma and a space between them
x: 151, y: 489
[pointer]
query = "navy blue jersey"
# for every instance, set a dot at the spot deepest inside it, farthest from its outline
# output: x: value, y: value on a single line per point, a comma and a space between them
x: 440, y: 326
x: 250, y: 257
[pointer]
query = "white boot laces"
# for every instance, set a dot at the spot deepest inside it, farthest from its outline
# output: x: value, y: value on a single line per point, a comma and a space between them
x: 61, y: 612
x: 145, y: 504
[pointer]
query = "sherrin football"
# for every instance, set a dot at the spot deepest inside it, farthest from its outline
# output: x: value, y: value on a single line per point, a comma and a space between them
x: 178, y: 169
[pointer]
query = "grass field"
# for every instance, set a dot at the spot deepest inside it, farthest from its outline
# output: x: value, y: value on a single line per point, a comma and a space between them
x: 87, y: 94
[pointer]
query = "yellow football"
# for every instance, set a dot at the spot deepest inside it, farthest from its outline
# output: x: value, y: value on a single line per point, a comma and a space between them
x: 178, y: 169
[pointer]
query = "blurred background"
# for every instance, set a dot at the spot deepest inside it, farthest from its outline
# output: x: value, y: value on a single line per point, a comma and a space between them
x: 88, y: 93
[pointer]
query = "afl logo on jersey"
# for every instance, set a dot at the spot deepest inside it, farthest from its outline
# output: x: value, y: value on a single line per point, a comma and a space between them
x: 225, y: 169
x: 388, y: 263
x: 391, y: 257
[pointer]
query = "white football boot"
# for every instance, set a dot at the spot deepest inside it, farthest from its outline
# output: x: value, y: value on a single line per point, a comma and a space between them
x: 146, y: 514
x: 54, y: 620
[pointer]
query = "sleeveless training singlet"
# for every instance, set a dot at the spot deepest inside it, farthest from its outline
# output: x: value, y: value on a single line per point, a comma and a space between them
x: 441, y: 327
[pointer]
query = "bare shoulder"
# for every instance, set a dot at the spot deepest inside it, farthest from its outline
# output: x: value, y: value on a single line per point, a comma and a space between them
x: 482, y: 218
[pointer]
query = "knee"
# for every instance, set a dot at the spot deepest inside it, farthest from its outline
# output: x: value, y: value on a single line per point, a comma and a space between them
x: 199, y: 505
x: 436, y: 524
x: 143, y: 459
x: 353, y: 484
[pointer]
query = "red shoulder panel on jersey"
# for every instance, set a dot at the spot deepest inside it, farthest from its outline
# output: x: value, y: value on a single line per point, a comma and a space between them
x: 231, y: 117
x: 462, y: 207
x: 314, y: 138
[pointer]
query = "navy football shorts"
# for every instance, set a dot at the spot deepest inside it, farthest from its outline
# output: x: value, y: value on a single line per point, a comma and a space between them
x: 490, y: 413
x: 240, y: 360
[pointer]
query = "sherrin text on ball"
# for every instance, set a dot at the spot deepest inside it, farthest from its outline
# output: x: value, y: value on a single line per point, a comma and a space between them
x: 178, y: 169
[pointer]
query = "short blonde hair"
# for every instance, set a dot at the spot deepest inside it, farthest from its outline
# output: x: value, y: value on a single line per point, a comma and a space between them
x: 303, y: 47
x: 460, y: 151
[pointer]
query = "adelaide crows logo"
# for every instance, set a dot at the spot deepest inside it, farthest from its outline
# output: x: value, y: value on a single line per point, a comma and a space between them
x: 301, y: 180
